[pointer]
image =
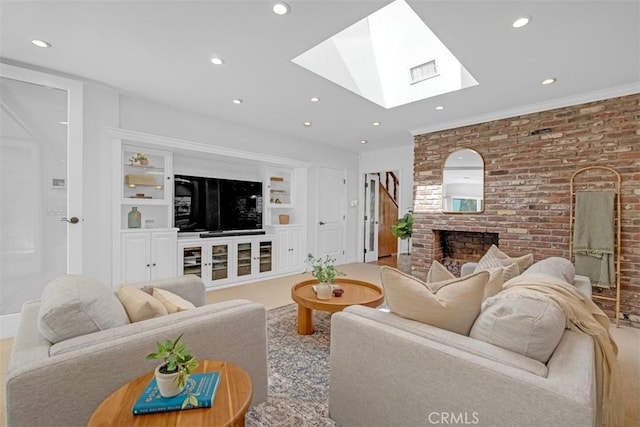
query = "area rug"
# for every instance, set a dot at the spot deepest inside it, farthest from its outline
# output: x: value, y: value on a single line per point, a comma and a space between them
x: 298, y: 372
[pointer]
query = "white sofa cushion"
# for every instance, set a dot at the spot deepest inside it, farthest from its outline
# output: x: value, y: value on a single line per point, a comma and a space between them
x: 528, y: 326
x: 452, y: 304
x: 74, y: 305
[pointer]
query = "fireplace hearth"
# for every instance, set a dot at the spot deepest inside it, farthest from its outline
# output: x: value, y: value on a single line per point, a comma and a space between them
x: 452, y: 248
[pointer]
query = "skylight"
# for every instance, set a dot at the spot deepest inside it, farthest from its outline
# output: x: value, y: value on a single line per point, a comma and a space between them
x: 390, y: 57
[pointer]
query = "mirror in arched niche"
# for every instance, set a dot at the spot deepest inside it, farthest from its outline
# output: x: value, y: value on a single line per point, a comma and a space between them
x: 463, y: 182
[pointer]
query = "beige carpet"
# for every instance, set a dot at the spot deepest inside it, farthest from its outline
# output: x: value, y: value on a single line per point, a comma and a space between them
x: 277, y: 292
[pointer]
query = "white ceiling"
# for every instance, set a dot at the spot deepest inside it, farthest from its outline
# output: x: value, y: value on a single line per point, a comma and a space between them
x: 160, y: 50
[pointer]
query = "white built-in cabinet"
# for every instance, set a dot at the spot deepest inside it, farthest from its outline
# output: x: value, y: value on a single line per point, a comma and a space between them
x: 147, y: 255
x: 156, y: 250
x: 220, y: 261
x: 290, y: 256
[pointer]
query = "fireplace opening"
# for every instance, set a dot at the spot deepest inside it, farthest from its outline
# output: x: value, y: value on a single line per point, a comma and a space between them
x: 453, y: 248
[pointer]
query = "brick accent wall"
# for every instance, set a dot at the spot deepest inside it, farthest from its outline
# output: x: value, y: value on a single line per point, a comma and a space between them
x: 529, y: 161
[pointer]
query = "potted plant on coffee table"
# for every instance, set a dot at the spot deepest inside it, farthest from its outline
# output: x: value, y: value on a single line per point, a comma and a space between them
x: 403, y: 230
x: 324, y: 270
x: 172, y: 373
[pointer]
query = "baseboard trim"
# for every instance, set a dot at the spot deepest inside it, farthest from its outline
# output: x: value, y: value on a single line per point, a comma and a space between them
x: 9, y: 325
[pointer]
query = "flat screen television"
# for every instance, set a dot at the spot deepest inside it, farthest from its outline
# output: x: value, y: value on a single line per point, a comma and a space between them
x: 215, y: 204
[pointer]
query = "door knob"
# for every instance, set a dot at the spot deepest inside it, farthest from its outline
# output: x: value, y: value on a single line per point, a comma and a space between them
x: 321, y: 223
x: 72, y: 220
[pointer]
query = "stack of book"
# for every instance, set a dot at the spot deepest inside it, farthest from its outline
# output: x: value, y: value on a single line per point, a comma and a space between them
x: 202, y: 386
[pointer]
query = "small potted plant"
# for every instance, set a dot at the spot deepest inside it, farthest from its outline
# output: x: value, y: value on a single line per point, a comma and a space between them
x: 403, y: 230
x: 325, y: 272
x: 178, y: 362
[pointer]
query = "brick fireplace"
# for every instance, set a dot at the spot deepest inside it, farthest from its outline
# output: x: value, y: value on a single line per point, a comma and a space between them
x: 453, y: 248
x: 529, y: 160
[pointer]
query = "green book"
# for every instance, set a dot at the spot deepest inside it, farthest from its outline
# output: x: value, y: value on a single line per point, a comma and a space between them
x: 203, y: 386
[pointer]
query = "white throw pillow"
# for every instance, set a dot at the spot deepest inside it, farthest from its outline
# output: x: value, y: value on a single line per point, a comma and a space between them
x: 172, y: 302
x: 558, y: 267
x: 452, y: 305
x: 529, y: 326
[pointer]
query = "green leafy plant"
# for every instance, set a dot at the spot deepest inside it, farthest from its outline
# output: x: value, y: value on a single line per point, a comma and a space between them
x: 323, y: 268
x: 403, y: 229
x: 177, y: 358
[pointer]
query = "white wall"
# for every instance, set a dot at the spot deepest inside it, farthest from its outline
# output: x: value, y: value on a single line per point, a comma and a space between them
x: 399, y: 159
x: 100, y: 112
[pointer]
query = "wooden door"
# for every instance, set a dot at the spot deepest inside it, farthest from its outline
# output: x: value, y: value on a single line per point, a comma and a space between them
x: 388, y: 215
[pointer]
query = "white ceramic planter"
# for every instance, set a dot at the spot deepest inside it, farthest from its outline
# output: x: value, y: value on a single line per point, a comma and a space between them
x: 167, y: 383
x: 324, y: 290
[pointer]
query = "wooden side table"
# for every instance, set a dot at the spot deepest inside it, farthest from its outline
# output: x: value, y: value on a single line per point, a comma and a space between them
x: 230, y: 405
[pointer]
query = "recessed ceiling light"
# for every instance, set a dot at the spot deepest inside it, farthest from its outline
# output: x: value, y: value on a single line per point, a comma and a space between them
x: 281, y: 8
x: 217, y: 61
x: 521, y: 22
x: 237, y: 101
x: 549, y: 81
x: 64, y: 123
x: 363, y: 141
x: 439, y: 107
x: 376, y: 123
x: 41, y: 43
x: 315, y: 99
x: 307, y: 124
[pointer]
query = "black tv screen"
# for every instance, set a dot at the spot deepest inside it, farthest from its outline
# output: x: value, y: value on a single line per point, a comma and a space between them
x: 215, y: 204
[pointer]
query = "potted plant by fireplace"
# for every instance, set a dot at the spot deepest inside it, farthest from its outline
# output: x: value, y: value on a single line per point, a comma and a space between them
x: 403, y: 230
x: 173, y: 372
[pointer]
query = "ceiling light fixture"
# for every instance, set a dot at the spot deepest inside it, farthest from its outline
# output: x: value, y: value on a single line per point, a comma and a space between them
x: 439, y: 107
x: 376, y: 123
x: 521, y: 22
x: 307, y: 124
x: 217, y: 61
x: 237, y: 101
x: 363, y: 141
x: 64, y: 123
x: 315, y: 99
x: 281, y: 8
x: 41, y: 43
x: 549, y: 81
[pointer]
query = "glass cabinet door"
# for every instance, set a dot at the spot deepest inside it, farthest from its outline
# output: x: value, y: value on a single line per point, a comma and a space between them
x: 219, y: 262
x: 144, y: 175
x: 244, y: 258
x: 192, y: 261
x: 265, y: 257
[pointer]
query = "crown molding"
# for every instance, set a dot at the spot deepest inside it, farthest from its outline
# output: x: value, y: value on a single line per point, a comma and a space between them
x: 533, y: 108
x: 176, y: 144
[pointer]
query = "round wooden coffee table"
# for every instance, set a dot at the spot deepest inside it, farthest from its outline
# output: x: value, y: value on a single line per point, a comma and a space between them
x: 230, y: 404
x: 356, y: 292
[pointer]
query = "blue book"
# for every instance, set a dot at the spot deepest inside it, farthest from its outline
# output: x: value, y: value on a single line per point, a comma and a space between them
x: 204, y: 386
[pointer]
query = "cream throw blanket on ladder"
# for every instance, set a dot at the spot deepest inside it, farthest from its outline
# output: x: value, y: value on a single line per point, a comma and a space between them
x: 582, y: 316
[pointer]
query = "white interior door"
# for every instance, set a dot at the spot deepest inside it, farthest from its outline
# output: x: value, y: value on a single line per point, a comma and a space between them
x: 41, y: 185
x: 371, y: 217
x: 331, y: 214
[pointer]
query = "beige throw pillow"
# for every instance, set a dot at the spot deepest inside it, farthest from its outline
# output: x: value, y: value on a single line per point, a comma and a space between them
x: 172, y: 302
x: 139, y: 304
x: 453, y: 304
x: 439, y: 273
x: 495, y: 258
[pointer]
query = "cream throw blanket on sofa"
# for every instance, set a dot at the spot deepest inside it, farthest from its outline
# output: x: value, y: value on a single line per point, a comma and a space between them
x: 583, y: 316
